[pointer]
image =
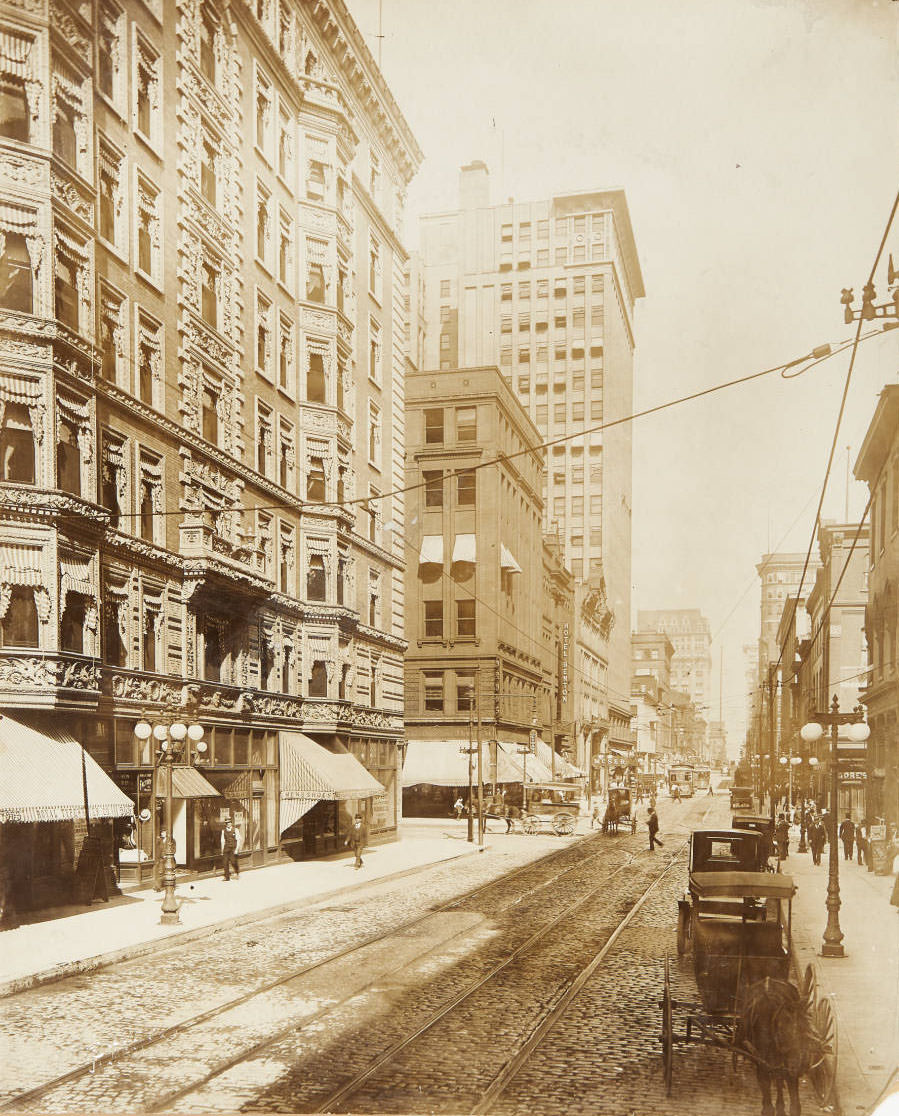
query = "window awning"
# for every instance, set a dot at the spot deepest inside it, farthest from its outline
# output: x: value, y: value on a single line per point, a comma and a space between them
x: 506, y: 561
x: 43, y: 775
x: 187, y: 782
x: 431, y: 551
x: 465, y: 549
x: 531, y: 765
x: 310, y: 773
x: 21, y: 565
x: 440, y: 763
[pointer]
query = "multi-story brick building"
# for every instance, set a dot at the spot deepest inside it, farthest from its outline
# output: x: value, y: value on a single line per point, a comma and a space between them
x: 546, y: 291
x: 878, y: 467
x: 201, y: 368
x: 487, y: 599
x: 653, y: 655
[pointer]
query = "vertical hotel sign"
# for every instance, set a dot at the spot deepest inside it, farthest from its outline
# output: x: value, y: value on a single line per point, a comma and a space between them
x: 563, y: 693
x: 497, y: 680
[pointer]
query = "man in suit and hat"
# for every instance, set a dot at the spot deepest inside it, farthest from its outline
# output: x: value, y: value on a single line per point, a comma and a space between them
x: 356, y: 839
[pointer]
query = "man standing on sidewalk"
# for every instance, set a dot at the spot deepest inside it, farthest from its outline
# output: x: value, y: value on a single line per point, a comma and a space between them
x: 653, y: 824
x: 356, y: 839
x: 230, y: 849
x: 847, y: 836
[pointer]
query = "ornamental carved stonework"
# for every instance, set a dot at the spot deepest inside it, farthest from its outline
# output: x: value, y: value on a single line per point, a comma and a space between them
x: 23, y: 172
x: 62, y: 21
x: 67, y: 193
x: 25, y: 674
x: 128, y: 687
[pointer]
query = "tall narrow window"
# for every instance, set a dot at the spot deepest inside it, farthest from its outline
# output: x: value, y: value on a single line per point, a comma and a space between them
x: 15, y: 119
x: 147, y: 89
x: 374, y: 433
x: 210, y: 415
x: 16, y: 278
x: 213, y: 648
x: 17, y: 445
x: 66, y: 290
x: 315, y: 378
x: 465, y: 618
x: 315, y: 181
x: 433, y: 619
x: 19, y: 627
x: 208, y: 177
x: 315, y: 283
x: 263, y: 439
x: 316, y: 583
x: 315, y: 481
x: 68, y: 458
x: 150, y: 656
x: 434, y: 426
x: 65, y: 144
x: 285, y: 356
x: 208, y: 27
x: 433, y: 488
x: 108, y: 186
x: 318, y: 679
x: 146, y: 511
x: 209, y: 295
x: 113, y: 644
x: 145, y: 361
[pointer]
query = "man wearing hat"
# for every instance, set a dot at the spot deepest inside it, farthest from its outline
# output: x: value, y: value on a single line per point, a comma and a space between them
x: 356, y: 839
x: 230, y: 849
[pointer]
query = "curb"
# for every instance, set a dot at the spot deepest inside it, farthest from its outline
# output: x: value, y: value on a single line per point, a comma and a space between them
x: 126, y: 953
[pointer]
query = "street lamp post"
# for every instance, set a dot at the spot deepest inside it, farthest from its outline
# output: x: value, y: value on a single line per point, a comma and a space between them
x: 790, y: 762
x: 171, y: 740
x: 858, y: 731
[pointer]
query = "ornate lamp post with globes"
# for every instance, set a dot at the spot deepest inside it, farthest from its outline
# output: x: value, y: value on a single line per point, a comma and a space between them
x: 172, y: 739
x: 857, y: 731
x: 811, y: 762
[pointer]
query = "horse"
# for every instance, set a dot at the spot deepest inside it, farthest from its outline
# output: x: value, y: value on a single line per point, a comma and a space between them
x: 777, y: 1031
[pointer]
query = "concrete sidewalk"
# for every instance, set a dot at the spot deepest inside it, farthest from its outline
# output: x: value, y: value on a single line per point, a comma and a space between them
x: 863, y: 986
x: 84, y: 938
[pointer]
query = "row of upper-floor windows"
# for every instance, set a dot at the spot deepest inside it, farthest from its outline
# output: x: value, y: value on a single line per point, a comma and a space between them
x: 884, y: 515
x: 463, y: 423
x: 561, y: 286
x: 563, y: 227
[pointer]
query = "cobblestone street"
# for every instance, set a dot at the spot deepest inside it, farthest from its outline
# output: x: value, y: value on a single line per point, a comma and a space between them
x: 285, y: 1014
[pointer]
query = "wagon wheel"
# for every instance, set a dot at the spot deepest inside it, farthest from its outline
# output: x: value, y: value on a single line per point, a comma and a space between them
x: 808, y: 988
x: 563, y: 825
x: 667, y: 1033
x: 683, y: 929
x: 531, y: 824
x: 823, y: 1076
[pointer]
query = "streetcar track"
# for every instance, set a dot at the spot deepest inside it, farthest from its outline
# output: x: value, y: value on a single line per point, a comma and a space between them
x: 160, y: 1035
x: 550, y: 1017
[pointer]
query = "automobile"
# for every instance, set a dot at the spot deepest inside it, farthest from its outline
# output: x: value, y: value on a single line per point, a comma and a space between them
x: 741, y: 798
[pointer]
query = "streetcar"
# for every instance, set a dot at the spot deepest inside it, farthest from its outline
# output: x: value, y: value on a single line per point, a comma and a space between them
x: 680, y: 775
x: 702, y: 778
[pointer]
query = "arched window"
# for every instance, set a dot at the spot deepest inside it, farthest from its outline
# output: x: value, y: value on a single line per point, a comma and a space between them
x: 68, y: 459
x: 17, y: 445
x: 19, y: 627
x: 71, y: 624
x: 315, y: 480
x: 316, y: 581
x: 16, y: 278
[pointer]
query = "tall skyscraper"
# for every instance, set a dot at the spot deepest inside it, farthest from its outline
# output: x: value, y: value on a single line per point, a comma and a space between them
x: 546, y: 291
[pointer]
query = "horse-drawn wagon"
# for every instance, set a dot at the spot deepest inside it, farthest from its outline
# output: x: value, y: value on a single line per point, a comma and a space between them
x: 557, y: 804
x: 620, y: 811
x: 737, y: 920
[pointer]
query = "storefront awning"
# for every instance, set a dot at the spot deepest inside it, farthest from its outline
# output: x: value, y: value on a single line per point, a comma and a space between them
x: 43, y: 775
x: 532, y: 765
x: 563, y: 769
x: 187, y: 782
x: 310, y: 773
x: 440, y: 763
x: 506, y: 560
x: 465, y: 549
x: 431, y: 551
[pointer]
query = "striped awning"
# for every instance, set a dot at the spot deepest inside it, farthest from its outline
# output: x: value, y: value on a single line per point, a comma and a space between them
x: 14, y: 51
x: 43, y: 776
x: 531, y: 765
x: 187, y: 782
x: 310, y: 773
x: 507, y: 560
x: 563, y: 769
x: 19, y: 389
x: 17, y: 219
x: 75, y: 577
x: 20, y: 565
x: 440, y: 763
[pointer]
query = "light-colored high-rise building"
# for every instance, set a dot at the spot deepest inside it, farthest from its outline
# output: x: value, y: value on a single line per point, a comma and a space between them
x: 546, y: 291
x: 689, y: 632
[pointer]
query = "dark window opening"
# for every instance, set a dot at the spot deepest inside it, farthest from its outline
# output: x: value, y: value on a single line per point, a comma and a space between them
x: 284, y: 464
x: 434, y: 426
x: 261, y: 454
x: 465, y: 618
x: 214, y: 650
x: 433, y: 489
x: 464, y: 692
x: 286, y: 668
x: 265, y: 663
x: 315, y: 481
x: 144, y: 79
x: 373, y: 610
x: 71, y: 624
x: 318, y: 679
x: 467, y: 424
x: 315, y: 378
x: 341, y: 485
x: 17, y: 456
x: 316, y: 583
x: 341, y: 580
x: 210, y: 416
x: 145, y: 374
x: 433, y: 693
x: 209, y: 301
x: 19, y: 627
x: 207, y: 46
x: 466, y: 487
x: 105, y: 54
x: 107, y: 207
x: 66, y: 291
x: 315, y: 284
x: 146, y: 511
x: 342, y: 684
x: 114, y: 646
x: 144, y: 242
x: 208, y: 181
x: 65, y: 144
x: 68, y: 459
x: 149, y: 661
x: 16, y: 281
x: 15, y: 119
x: 434, y: 619
x: 261, y: 345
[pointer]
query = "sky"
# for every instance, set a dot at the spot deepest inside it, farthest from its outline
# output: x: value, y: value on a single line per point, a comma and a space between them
x: 758, y: 144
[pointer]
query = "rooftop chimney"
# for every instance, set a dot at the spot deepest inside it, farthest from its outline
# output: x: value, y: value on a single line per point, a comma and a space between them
x: 474, y: 185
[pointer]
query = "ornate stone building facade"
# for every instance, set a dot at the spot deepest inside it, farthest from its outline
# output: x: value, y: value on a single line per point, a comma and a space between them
x: 202, y: 346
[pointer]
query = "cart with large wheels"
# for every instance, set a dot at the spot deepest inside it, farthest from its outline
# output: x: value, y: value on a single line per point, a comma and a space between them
x: 556, y: 805
x: 738, y: 924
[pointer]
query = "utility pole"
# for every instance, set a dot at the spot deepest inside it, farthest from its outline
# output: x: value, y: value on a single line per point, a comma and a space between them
x: 470, y: 754
x: 477, y: 682
x: 772, y: 743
